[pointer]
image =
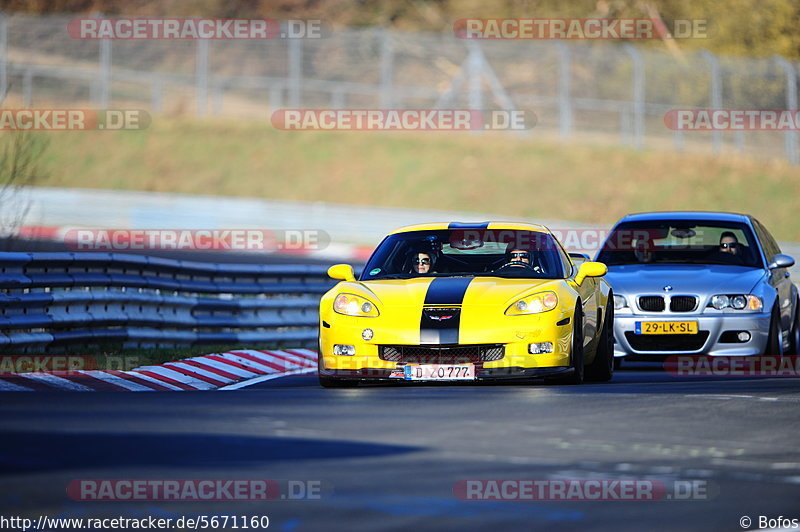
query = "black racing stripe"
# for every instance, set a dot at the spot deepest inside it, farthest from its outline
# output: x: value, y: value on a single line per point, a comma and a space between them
x: 468, y: 225
x: 447, y: 290
x: 443, y: 292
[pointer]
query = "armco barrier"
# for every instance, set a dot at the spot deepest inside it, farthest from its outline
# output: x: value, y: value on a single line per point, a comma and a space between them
x: 52, y: 300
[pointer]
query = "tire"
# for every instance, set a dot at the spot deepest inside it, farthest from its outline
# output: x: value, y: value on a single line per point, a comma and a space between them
x: 331, y: 382
x: 794, y: 335
x: 617, y: 363
x: 577, y: 373
x: 775, y: 343
x: 602, y: 368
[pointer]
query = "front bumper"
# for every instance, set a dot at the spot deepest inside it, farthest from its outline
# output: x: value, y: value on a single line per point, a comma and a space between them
x: 628, y: 344
x: 514, y: 336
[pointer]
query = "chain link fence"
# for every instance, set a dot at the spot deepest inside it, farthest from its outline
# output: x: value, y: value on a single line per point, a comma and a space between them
x: 596, y: 91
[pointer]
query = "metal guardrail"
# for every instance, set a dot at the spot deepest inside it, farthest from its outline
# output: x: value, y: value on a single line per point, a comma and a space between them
x: 53, y: 300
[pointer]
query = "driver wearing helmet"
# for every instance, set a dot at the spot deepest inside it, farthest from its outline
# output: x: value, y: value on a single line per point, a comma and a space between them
x: 520, y: 257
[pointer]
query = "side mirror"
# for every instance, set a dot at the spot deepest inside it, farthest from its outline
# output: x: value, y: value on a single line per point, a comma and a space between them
x: 343, y: 272
x: 590, y: 269
x: 781, y: 261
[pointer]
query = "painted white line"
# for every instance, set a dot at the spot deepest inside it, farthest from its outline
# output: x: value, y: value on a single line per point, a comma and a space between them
x: 119, y: 381
x: 11, y: 387
x: 233, y: 370
x: 263, y: 378
x: 59, y: 382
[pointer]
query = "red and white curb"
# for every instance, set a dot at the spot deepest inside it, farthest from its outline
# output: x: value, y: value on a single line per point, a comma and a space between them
x: 218, y: 371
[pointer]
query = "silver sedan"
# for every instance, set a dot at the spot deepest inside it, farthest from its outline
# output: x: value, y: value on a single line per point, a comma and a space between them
x: 699, y: 283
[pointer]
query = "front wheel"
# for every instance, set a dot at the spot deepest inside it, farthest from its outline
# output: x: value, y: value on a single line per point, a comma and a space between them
x: 794, y: 336
x: 576, y: 375
x: 775, y: 342
x: 602, y: 368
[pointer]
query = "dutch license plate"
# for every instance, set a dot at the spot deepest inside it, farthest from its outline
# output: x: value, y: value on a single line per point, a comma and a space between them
x: 439, y: 372
x: 666, y: 327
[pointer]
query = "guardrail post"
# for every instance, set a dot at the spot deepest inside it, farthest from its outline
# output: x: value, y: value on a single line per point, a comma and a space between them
x: 790, y: 137
x: 637, y: 81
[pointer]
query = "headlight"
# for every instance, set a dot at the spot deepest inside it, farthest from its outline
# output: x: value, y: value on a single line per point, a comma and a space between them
x: 619, y: 302
x: 533, y: 304
x: 737, y: 302
x: 353, y: 305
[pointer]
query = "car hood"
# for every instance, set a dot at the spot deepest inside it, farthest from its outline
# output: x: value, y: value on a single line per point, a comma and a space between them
x: 683, y: 278
x: 472, y: 291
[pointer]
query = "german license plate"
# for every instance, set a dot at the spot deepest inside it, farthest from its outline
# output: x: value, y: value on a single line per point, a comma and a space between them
x: 439, y: 372
x: 666, y: 327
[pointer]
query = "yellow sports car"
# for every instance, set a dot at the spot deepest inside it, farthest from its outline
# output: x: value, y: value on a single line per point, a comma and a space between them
x: 467, y: 302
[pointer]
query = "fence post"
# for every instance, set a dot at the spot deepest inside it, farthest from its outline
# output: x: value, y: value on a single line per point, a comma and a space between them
x: 638, y: 95
x: 27, y: 87
x: 201, y: 77
x: 104, y: 74
x: 716, y: 95
x: 790, y: 137
x: 475, y: 76
x: 3, y: 58
x: 295, y: 50
x: 564, y: 90
x: 157, y: 93
x: 387, y: 70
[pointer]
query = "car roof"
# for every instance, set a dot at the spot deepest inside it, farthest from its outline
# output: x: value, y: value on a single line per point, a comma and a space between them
x: 684, y: 215
x: 438, y: 226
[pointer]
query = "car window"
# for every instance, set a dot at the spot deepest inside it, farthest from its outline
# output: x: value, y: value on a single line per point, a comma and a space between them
x: 681, y: 242
x: 475, y: 252
x: 771, y: 247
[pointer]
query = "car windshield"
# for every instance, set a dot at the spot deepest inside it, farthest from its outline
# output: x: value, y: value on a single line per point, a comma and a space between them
x: 468, y: 252
x: 681, y: 242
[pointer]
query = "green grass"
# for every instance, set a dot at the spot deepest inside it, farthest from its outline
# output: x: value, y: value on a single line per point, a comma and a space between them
x: 488, y: 173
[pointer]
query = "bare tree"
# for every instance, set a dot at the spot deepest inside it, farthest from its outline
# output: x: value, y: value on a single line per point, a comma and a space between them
x: 20, y: 153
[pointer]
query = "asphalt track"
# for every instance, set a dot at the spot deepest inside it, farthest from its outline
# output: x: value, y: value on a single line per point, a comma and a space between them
x: 388, y: 457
